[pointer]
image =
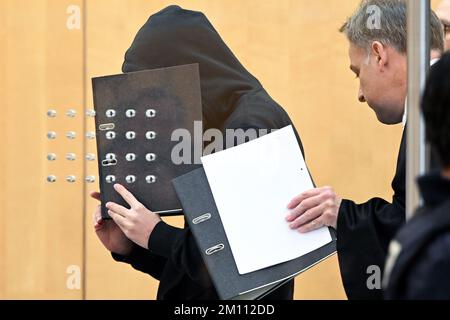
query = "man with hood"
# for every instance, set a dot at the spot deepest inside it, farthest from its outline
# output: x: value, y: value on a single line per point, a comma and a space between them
x: 232, y: 99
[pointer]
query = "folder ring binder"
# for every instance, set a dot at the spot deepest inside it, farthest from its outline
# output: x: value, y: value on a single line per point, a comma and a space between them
x: 110, y: 113
x: 150, y: 157
x: 150, y: 113
x: 201, y: 218
x: 215, y: 249
x: 150, y: 135
x: 109, y: 162
x: 130, y: 135
x: 110, y: 135
x: 130, y: 113
x: 150, y: 179
x: 107, y: 126
x: 130, y: 156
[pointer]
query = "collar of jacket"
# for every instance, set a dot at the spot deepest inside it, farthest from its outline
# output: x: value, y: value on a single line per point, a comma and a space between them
x: 434, y: 188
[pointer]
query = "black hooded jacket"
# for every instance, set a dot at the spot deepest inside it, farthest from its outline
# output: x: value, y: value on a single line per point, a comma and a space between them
x: 420, y: 267
x: 232, y: 99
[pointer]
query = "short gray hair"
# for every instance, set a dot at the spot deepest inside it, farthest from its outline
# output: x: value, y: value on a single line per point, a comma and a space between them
x: 385, y: 21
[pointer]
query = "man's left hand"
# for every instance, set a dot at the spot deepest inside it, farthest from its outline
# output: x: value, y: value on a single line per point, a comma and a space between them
x: 137, y: 223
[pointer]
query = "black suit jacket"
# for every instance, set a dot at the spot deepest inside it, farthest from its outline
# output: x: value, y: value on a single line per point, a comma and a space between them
x: 364, y: 232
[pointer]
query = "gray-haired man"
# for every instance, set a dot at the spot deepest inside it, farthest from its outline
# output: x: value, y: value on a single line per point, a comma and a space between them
x: 377, y: 51
x: 443, y: 12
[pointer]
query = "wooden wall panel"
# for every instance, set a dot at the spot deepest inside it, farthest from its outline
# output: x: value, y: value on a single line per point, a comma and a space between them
x: 3, y: 76
x: 41, y: 223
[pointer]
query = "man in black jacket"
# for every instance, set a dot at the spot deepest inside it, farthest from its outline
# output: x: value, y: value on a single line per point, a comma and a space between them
x: 377, y: 37
x: 232, y: 99
x: 419, y: 258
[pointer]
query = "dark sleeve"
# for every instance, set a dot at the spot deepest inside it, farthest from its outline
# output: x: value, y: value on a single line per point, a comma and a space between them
x: 143, y: 260
x: 185, y: 275
x: 363, y: 235
x: 428, y: 276
x: 364, y: 232
x: 172, y: 258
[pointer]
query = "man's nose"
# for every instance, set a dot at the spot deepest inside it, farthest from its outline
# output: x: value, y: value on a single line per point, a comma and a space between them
x: 361, y: 97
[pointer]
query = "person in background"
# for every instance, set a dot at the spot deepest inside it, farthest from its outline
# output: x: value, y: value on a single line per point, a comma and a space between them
x: 443, y: 12
x: 378, y: 58
x: 419, y: 256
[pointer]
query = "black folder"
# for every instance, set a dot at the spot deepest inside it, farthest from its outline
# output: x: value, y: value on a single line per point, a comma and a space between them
x: 204, y: 221
x: 136, y: 115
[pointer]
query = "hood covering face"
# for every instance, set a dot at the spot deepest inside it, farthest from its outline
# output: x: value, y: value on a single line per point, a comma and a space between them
x: 231, y: 97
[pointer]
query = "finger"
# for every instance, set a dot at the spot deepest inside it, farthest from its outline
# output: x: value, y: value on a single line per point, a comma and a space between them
x: 313, y: 225
x: 97, y: 216
x: 308, y: 216
x: 118, y: 219
x: 304, y: 195
x: 126, y: 195
x: 295, y: 201
x: 304, y: 206
x: 117, y: 208
x: 98, y: 226
x: 96, y: 195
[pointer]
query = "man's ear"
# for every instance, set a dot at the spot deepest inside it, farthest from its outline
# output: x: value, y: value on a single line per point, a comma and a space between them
x: 380, y: 53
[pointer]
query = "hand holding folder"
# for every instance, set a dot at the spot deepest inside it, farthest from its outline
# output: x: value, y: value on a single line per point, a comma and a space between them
x: 242, y: 235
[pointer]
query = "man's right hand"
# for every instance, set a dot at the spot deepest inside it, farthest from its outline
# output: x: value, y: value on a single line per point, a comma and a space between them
x: 109, y: 232
x: 314, y: 209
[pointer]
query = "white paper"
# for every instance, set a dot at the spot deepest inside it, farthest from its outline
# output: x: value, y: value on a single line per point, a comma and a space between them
x: 252, y: 185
